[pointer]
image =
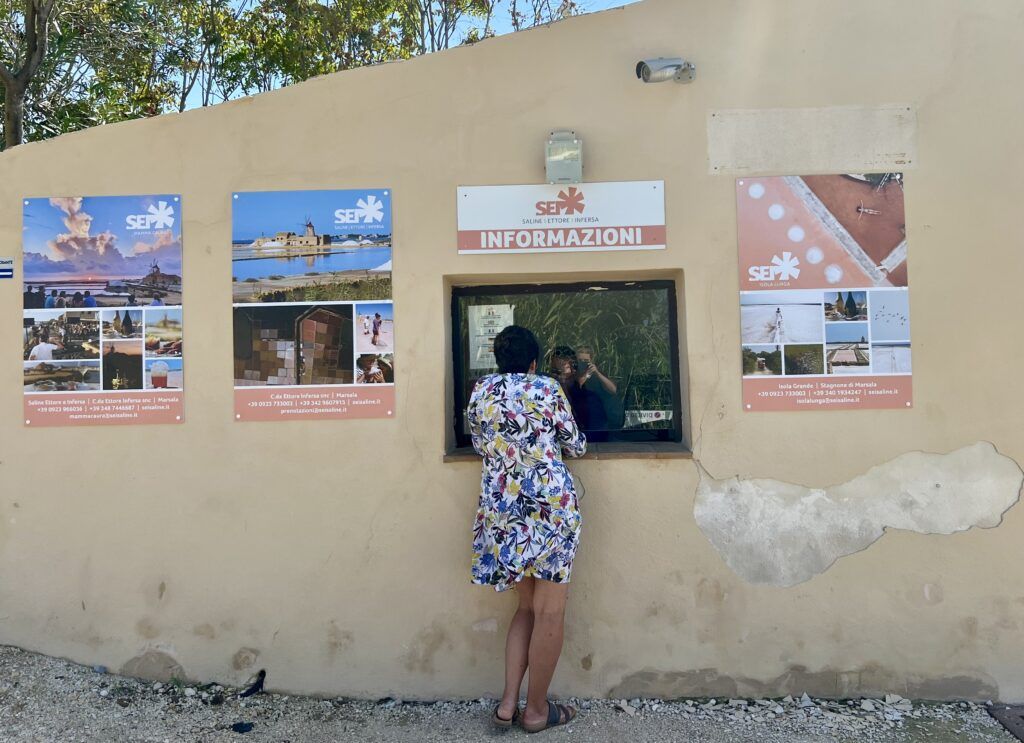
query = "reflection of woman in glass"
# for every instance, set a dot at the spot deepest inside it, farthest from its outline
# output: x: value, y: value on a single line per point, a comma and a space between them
x: 587, y: 369
x: 527, y: 525
x: 587, y: 405
x: 602, y: 390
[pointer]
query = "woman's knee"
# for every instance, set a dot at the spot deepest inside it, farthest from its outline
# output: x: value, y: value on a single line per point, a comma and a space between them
x: 525, y: 590
x: 549, y: 615
x: 549, y: 602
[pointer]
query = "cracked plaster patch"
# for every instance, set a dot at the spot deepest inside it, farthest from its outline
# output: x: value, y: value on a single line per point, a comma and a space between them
x: 781, y: 534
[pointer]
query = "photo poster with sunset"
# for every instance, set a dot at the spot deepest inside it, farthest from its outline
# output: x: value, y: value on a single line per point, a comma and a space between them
x: 824, y: 297
x: 102, y: 339
x: 313, y: 319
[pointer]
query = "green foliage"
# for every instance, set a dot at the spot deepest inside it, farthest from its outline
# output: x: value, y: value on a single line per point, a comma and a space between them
x: 804, y: 360
x: 627, y: 330
x: 327, y: 291
x: 111, y: 60
x: 772, y: 361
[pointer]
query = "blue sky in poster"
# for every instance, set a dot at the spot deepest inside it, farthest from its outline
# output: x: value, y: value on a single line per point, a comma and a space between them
x: 364, y: 211
x: 385, y: 309
x: 846, y: 332
x: 173, y: 363
x: 101, y: 237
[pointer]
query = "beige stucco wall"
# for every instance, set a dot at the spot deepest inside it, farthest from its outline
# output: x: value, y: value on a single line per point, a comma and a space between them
x: 335, y: 554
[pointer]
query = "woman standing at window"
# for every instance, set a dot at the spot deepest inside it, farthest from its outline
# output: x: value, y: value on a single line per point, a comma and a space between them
x: 528, y: 525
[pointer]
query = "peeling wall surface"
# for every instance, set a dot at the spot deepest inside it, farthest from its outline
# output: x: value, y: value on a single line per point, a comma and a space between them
x: 782, y: 534
x: 336, y: 554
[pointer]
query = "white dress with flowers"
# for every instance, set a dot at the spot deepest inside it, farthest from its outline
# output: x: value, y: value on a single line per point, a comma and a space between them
x: 528, y: 523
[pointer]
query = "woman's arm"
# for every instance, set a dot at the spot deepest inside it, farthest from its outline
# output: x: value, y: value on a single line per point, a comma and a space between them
x: 573, y: 442
x: 475, y: 427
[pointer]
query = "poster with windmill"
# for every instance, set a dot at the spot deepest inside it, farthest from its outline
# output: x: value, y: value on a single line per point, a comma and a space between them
x: 307, y: 269
x: 102, y: 310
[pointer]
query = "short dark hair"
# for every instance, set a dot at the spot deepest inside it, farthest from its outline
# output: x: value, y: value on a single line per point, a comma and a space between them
x: 515, y: 349
x: 563, y: 352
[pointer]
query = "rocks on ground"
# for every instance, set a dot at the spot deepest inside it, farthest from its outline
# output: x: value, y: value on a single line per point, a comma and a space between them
x: 45, y: 699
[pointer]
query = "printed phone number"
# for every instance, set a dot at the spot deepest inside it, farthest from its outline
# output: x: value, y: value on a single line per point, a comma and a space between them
x: 292, y: 403
x: 89, y: 409
x: 799, y: 393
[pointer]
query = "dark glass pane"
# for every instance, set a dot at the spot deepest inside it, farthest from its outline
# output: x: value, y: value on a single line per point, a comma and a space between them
x: 627, y: 330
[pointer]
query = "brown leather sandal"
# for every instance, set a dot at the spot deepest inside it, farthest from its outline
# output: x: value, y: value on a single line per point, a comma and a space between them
x: 558, y: 714
x: 501, y: 722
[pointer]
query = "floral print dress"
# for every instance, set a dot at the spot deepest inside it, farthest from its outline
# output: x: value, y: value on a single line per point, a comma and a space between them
x: 528, y: 523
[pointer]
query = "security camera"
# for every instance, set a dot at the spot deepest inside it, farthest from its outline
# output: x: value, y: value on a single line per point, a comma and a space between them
x: 665, y: 68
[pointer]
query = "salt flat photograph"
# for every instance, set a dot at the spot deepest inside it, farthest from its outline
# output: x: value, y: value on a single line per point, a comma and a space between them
x: 781, y: 317
x: 890, y: 358
x: 310, y: 246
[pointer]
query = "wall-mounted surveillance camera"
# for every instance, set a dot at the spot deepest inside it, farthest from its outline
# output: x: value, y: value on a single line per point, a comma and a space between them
x: 665, y: 68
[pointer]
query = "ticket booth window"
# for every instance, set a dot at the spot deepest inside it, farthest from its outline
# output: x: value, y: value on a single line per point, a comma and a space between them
x: 613, y: 346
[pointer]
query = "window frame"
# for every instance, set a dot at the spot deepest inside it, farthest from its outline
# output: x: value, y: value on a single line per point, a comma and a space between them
x: 669, y: 439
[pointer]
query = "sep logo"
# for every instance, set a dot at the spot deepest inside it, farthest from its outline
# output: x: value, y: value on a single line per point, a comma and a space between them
x: 568, y: 202
x: 158, y: 217
x: 781, y: 269
x: 366, y: 211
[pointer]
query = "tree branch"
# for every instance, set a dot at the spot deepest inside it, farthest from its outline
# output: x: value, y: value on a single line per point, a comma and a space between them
x: 37, y: 26
x: 6, y: 76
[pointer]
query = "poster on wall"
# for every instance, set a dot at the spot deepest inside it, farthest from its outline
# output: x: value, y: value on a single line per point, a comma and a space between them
x: 311, y: 295
x: 485, y: 322
x: 824, y: 306
x: 102, y: 310
x: 557, y: 219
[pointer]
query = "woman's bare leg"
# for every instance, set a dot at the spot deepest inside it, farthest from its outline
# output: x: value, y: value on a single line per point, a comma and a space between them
x: 545, y: 646
x: 517, y: 648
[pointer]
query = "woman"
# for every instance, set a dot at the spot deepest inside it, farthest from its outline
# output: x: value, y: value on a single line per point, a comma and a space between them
x: 528, y: 525
x: 377, y: 321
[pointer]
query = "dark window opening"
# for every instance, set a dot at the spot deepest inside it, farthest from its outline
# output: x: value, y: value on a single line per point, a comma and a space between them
x: 612, y: 345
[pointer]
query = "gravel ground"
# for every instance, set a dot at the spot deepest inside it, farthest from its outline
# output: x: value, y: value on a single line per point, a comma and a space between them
x: 45, y: 699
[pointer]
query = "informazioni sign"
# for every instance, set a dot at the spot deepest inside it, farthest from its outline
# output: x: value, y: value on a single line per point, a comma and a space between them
x: 558, y: 218
x: 824, y: 303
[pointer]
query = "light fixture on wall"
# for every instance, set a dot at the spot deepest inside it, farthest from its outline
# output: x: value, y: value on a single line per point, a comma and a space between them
x: 663, y: 69
x: 563, y: 157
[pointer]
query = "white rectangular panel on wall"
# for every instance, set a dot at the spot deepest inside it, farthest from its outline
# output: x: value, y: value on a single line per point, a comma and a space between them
x: 547, y: 218
x: 835, y: 139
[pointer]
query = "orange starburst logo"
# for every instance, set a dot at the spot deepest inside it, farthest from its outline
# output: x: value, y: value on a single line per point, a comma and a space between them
x: 570, y: 201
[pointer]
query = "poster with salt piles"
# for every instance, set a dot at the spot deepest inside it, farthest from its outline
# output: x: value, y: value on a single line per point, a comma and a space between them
x: 311, y: 298
x: 824, y: 299
x: 102, y: 310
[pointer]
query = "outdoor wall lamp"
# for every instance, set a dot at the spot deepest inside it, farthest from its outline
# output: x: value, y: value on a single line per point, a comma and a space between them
x: 563, y: 157
x: 665, y: 68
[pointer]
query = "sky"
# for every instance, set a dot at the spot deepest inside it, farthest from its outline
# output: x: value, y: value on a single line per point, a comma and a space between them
x: 845, y: 332
x: 256, y: 213
x: 500, y: 23
x: 384, y: 308
x: 100, y: 237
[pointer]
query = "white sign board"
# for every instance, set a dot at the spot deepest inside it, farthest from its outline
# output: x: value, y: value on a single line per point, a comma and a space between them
x: 6, y: 268
x: 557, y: 218
x: 485, y: 322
